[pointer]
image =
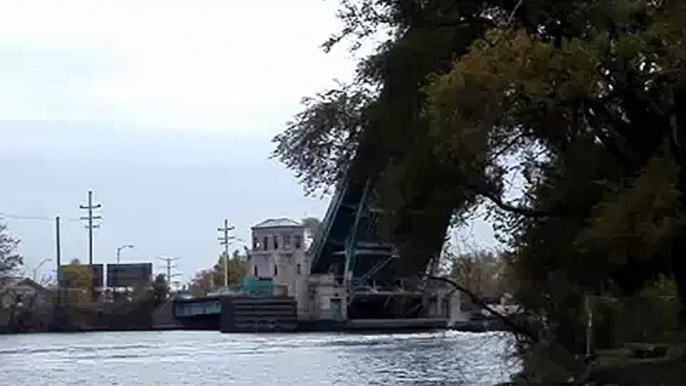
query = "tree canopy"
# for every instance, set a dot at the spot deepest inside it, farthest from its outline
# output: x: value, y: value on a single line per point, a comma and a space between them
x: 584, y: 102
x: 482, y: 272
x: 208, y: 279
x: 160, y: 289
x: 312, y: 224
x: 78, y: 282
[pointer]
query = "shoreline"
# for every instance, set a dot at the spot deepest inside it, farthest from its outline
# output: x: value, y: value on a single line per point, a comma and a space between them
x: 341, y: 329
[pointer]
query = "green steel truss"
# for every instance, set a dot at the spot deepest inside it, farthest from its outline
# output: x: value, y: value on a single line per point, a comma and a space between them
x: 349, y: 243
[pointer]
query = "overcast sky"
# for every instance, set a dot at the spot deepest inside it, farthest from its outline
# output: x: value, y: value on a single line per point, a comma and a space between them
x: 165, y: 109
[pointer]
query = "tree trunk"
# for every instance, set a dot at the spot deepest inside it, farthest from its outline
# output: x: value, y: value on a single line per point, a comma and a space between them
x: 678, y: 251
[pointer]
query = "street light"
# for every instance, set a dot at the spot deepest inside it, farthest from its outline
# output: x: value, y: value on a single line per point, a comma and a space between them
x: 35, y: 270
x: 120, y: 249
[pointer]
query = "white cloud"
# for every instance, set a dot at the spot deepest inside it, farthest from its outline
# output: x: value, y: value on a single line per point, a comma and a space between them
x: 233, y: 66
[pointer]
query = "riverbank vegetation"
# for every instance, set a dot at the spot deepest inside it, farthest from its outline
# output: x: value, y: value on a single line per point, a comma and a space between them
x: 582, y: 103
x: 27, y: 306
x: 207, y: 280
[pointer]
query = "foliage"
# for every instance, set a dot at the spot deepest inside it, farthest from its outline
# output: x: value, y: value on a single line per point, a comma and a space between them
x: 78, y: 280
x: 481, y: 272
x: 208, y: 279
x: 602, y: 204
x: 583, y: 101
x: 384, y: 128
x: 77, y: 275
x: 201, y: 283
x: 10, y: 260
x: 17, y: 309
x: 321, y: 142
x: 237, y: 268
x: 312, y: 224
x: 160, y: 289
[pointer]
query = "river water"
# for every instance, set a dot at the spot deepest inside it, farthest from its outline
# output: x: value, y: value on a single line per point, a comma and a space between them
x: 178, y: 358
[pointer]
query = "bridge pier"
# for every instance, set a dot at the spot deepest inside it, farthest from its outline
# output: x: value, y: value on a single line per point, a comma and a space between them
x: 328, y: 310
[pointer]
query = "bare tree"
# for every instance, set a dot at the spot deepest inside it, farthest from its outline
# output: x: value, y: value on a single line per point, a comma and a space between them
x: 10, y: 263
x: 10, y: 260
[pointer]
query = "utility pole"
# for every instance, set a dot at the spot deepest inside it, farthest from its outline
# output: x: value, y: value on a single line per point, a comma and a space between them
x: 169, y: 267
x: 224, y: 240
x: 90, y: 225
x: 58, y: 257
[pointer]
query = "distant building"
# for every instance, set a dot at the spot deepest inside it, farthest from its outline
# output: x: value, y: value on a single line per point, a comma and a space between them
x: 23, y: 294
x: 16, y: 291
x: 278, y: 254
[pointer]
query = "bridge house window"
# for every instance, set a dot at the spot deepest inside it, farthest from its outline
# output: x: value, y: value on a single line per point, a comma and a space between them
x: 255, y: 243
x: 286, y: 258
x: 254, y: 270
x: 265, y: 246
x: 299, y: 269
x: 276, y: 242
x: 276, y: 269
x: 286, y: 240
x: 298, y: 242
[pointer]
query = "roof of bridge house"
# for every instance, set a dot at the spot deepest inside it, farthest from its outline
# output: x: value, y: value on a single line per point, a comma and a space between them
x: 278, y: 223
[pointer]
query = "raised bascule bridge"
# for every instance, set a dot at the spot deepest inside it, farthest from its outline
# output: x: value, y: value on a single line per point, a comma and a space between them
x: 350, y: 247
x: 352, y: 277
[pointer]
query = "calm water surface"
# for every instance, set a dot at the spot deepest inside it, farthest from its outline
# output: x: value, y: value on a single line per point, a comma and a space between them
x: 210, y: 358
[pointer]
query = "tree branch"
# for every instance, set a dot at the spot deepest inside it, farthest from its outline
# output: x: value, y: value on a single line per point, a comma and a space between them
x: 514, y: 11
x: 464, y: 21
x: 523, y: 211
x: 511, y: 324
x: 607, y: 141
x: 508, y: 146
x: 526, y: 212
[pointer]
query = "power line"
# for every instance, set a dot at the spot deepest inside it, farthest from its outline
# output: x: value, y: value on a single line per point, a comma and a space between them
x: 18, y: 217
x: 33, y: 218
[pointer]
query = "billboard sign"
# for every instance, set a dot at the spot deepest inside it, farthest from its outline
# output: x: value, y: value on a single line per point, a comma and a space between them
x: 128, y: 275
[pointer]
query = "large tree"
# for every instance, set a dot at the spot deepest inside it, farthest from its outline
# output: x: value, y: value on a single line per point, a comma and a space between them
x: 590, y: 117
x: 375, y: 125
x: 582, y: 101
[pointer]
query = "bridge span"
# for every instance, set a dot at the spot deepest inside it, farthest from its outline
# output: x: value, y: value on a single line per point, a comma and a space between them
x: 353, y: 279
